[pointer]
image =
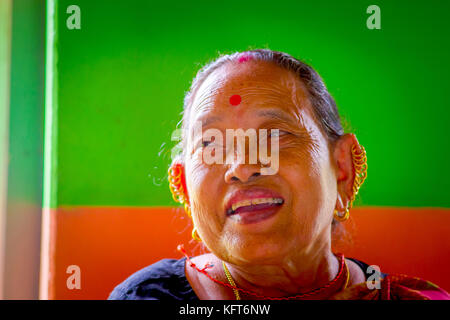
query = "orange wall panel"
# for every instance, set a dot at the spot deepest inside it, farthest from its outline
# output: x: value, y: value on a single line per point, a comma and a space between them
x: 109, y: 244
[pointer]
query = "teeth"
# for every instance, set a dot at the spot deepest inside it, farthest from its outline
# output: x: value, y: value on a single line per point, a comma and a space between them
x: 245, y: 203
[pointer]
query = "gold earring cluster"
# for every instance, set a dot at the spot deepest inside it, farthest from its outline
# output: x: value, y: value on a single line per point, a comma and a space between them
x: 359, y: 160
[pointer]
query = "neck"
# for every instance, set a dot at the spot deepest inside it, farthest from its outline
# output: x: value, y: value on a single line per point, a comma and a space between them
x: 296, y: 274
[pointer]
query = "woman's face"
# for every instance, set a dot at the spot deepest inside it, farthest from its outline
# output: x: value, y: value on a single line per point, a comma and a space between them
x: 292, y: 209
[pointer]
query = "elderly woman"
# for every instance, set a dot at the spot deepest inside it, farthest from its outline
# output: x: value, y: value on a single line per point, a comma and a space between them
x: 268, y: 223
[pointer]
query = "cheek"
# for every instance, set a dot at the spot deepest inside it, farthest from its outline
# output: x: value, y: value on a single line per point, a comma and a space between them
x: 301, y: 162
x: 196, y: 180
x: 204, y: 187
x: 195, y: 175
x: 305, y: 170
x: 303, y: 176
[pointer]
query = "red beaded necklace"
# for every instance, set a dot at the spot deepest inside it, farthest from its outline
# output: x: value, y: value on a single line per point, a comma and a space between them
x: 339, y: 283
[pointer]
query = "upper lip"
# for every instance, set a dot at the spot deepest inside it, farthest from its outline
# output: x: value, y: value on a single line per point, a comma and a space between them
x: 249, y: 194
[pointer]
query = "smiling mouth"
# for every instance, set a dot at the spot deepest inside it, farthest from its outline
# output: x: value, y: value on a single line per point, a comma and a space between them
x: 256, y: 204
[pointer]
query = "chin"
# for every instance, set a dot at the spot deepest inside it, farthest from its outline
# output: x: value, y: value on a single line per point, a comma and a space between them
x: 257, y: 251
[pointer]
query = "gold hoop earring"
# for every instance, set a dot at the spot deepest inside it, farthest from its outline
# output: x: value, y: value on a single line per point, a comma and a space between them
x: 177, y: 188
x: 195, y: 235
x: 342, y: 218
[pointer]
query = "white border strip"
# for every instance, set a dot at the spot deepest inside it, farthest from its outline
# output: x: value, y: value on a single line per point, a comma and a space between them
x: 49, y: 139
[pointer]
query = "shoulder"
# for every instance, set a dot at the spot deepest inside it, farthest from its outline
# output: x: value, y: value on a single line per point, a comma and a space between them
x: 394, y: 287
x: 382, y: 286
x: 368, y: 272
x: 403, y: 287
x: 164, y: 279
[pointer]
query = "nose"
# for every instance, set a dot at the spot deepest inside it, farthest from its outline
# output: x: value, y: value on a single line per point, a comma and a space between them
x: 242, y: 172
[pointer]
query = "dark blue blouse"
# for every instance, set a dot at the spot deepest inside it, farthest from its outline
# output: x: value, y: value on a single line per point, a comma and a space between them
x: 166, y: 280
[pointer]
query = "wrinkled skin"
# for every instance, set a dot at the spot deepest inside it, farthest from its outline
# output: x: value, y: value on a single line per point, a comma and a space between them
x: 290, y: 252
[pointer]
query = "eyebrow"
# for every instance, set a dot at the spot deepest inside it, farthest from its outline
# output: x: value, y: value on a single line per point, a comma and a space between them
x: 276, y: 114
x: 210, y: 120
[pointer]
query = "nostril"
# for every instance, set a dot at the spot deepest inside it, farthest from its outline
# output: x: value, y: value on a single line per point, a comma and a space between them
x: 242, y: 176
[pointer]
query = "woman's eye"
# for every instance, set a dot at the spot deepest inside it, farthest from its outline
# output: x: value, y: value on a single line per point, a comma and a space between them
x: 278, y: 133
x: 205, y: 143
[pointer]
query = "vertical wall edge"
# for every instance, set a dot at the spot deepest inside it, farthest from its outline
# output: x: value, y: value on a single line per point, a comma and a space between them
x: 50, y: 146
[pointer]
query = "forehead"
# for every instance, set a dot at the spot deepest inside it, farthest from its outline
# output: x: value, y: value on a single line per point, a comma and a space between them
x: 259, y: 84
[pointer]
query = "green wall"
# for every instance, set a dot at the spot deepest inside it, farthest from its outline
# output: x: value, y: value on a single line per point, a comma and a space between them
x: 27, y: 101
x: 120, y: 79
x: 23, y: 139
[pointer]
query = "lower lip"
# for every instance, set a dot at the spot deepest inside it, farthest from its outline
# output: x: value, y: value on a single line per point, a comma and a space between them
x: 255, y: 216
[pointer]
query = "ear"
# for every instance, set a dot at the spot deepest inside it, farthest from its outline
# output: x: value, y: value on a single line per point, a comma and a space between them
x: 345, y: 172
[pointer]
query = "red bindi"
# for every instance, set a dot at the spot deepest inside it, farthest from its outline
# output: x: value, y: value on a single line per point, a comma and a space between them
x: 235, y: 100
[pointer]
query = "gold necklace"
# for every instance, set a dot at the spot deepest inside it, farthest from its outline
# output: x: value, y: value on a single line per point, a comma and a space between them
x: 231, y: 281
x: 238, y: 297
